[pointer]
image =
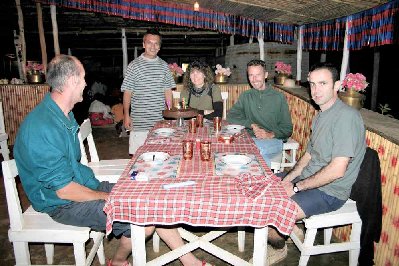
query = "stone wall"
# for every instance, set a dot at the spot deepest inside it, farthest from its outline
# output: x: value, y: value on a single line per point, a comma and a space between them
x: 238, y: 56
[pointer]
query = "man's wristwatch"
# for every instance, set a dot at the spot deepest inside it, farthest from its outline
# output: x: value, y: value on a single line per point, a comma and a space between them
x: 295, y: 188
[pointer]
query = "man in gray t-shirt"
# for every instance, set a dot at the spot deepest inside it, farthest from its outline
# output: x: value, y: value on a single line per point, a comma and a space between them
x: 322, y: 179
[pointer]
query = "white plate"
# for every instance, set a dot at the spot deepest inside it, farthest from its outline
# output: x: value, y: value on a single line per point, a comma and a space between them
x: 164, y: 131
x: 234, y: 128
x: 236, y: 160
x: 156, y: 157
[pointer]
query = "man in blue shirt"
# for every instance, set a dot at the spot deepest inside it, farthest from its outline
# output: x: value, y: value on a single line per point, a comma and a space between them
x: 47, y: 154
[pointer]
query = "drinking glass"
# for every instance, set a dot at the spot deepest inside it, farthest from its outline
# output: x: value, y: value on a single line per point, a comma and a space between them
x: 188, y: 149
x: 200, y: 120
x: 217, y: 123
x: 205, y: 150
x: 192, y: 125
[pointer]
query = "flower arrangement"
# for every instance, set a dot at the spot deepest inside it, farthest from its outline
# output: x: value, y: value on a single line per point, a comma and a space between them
x: 176, y: 70
x: 282, y: 68
x: 33, y: 66
x: 223, y: 71
x: 355, y: 82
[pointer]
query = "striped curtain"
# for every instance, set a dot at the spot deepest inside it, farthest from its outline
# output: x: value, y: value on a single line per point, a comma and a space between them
x: 369, y: 28
x: 181, y: 15
x: 374, y: 27
x: 326, y: 35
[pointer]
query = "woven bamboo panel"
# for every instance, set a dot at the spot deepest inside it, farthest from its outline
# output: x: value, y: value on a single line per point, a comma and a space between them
x: 302, y: 114
x: 18, y: 101
x: 387, y: 250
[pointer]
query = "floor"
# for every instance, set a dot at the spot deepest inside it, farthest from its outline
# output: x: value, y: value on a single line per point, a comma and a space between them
x: 110, y: 146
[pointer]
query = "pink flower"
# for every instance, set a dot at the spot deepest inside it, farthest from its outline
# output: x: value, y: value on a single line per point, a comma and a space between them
x: 175, y: 69
x: 355, y: 82
x: 34, y: 66
x: 221, y: 70
x: 282, y: 68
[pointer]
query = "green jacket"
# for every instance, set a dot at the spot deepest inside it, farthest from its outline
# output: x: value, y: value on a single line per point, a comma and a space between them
x: 267, y: 108
x: 47, y: 154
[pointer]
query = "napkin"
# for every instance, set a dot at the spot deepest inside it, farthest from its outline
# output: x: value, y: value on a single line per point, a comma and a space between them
x: 253, y: 186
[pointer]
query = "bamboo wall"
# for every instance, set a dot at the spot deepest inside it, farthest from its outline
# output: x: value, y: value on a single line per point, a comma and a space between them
x: 18, y: 101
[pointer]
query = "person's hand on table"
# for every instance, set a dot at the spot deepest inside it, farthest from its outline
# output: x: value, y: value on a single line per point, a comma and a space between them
x: 288, y: 187
x: 261, y: 133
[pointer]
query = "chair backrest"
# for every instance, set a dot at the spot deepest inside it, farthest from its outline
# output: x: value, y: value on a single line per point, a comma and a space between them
x: 225, y: 95
x: 85, y: 132
x: 10, y: 171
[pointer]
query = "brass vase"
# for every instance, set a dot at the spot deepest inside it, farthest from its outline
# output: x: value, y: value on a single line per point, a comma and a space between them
x: 352, y: 98
x: 280, y: 78
x: 35, y: 77
x: 220, y: 78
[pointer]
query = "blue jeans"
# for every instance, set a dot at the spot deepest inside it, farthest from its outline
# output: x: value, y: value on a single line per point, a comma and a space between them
x: 268, y: 148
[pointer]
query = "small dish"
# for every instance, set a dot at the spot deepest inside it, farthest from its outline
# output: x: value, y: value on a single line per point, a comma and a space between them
x: 236, y: 160
x: 154, y: 157
x: 234, y: 129
x: 164, y: 131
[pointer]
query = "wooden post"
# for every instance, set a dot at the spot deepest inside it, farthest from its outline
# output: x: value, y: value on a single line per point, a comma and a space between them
x: 345, y: 55
x: 18, y: 52
x: 53, y: 12
x: 41, y: 36
x: 261, y: 42
x: 124, y: 51
x: 22, y: 72
x: 299, y: 56
x: 374, y: 86
x: 323, y: 57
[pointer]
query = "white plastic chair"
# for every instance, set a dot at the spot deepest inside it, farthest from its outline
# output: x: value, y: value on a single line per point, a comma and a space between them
x: 287, y: 158
x: 347, y: 214
x: 36, y: 227
x: 104, y: 170
x: 3, y: 136
x: 225, y: 96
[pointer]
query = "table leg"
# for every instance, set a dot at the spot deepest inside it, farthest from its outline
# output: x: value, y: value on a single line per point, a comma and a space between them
x: 260, y: 246
x: 138, y: 245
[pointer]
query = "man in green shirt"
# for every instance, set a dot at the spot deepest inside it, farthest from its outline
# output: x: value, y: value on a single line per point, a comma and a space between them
x: 263, y: 111
x: 322, y: 179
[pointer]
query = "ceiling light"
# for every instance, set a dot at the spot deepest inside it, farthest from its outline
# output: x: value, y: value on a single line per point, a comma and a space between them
x: 196, y: 6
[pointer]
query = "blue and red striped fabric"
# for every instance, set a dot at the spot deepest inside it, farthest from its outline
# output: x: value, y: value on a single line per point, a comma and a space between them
x: 181, y: 15
x: 372, y: 27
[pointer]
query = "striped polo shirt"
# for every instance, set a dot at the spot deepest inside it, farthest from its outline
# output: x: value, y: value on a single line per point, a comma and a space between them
x: 147, y: 79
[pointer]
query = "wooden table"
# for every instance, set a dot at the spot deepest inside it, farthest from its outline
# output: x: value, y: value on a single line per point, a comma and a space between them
x: 213, y: 201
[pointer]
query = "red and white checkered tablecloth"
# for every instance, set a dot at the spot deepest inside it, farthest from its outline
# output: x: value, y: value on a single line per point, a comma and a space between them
x: 202, y: 133
x: 213, y: 201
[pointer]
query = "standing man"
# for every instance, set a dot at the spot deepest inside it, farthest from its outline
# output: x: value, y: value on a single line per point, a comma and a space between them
x: 146, y: 88
x: 322, y: 179
x: 47, y: 154
x: 263, y: 111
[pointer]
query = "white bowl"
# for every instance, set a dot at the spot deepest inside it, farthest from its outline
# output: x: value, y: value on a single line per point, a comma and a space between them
x: 155, y: 157
x: 236, y: 160
x: 234, y: 129
x: 164, y: 131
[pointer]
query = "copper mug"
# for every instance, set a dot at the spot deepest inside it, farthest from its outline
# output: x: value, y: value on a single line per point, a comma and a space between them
x: 217, y: 123
x: 188, y: 146
x: 200, y: 120
x: 205, y: 150
x: 192, y: 125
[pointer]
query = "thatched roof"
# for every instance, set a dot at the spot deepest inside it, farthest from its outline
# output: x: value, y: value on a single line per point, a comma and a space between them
x: 99, y: 34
